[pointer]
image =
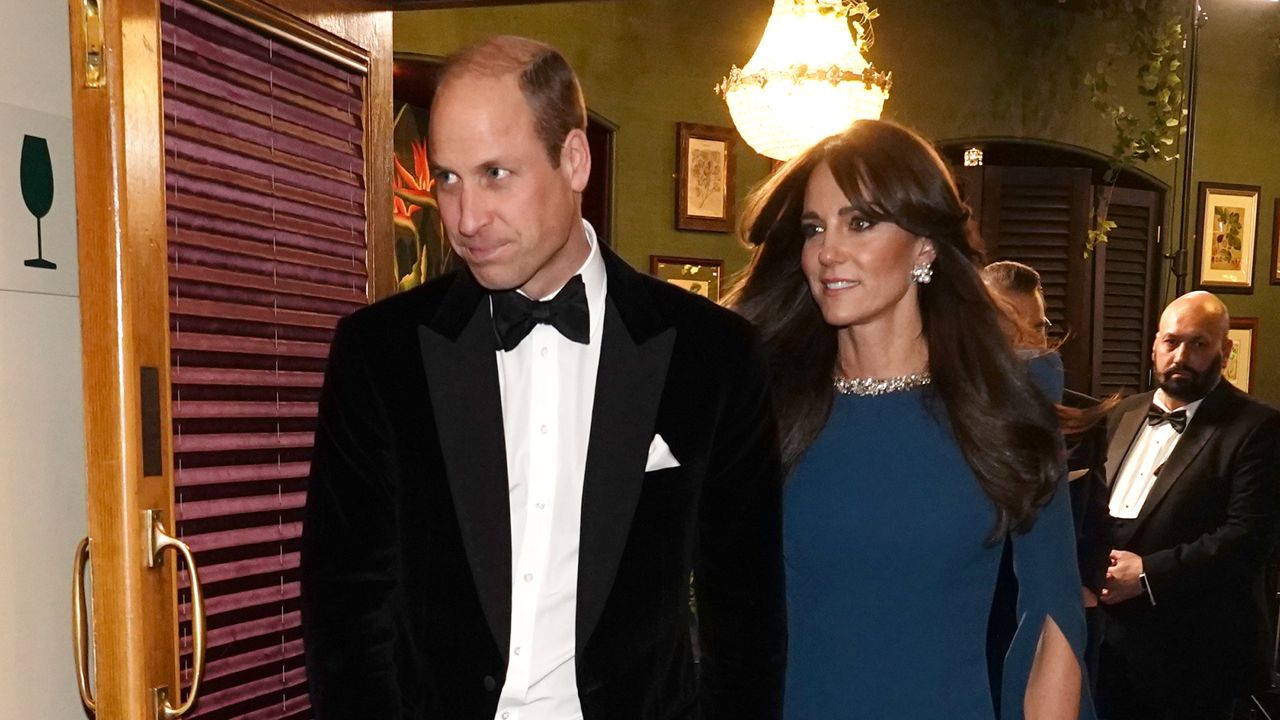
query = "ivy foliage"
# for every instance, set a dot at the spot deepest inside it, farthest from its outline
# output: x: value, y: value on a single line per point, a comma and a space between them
x: 1154, y: 34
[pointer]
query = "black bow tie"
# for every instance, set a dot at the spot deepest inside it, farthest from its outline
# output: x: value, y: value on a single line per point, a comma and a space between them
x: 514, y: 315
x: 1177, y: 418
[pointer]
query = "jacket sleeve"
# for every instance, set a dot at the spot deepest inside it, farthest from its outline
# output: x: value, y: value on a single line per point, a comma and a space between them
x: 739, y: 573
x: 348, y: 547
x: 1090, y: 509
x: 1246, y: 536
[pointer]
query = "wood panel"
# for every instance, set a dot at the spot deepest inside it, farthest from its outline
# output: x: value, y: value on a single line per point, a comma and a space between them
x: 120, y: 209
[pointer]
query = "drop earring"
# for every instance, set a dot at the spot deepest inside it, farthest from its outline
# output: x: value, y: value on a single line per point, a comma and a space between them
x: 922, y: 273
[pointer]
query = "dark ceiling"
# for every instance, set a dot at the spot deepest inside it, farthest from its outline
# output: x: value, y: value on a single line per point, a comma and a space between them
x: 439, y: 4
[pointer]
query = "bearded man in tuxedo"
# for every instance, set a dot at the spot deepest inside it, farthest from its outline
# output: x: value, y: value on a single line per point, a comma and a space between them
x: 1193, y: 468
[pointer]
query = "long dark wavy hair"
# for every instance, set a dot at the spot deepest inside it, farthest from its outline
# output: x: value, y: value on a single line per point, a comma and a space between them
x: 1004, y: 426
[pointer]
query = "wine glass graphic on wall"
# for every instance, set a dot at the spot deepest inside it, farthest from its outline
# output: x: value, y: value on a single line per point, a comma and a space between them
x: 37, y: 190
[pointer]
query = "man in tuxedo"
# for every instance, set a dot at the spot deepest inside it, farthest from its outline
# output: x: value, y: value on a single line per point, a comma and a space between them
x: 519, y: 465
x: 1193, y: 471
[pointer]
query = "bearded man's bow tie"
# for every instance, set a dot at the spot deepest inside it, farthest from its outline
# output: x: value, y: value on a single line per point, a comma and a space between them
x: 1177, y: 418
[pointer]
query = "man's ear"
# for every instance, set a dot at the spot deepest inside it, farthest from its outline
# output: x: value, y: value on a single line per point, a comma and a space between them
x: 1227, y: 344
x: 575, y: 159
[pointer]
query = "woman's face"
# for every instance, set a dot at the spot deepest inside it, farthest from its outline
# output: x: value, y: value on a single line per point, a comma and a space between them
x: 858, y: 270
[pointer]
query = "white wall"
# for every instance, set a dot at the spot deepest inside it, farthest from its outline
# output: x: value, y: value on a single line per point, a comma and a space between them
x: 42, y: 476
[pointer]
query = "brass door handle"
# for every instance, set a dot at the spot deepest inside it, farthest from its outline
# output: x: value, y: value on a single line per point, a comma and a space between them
x: 80, y: 625
x: 157, y: 542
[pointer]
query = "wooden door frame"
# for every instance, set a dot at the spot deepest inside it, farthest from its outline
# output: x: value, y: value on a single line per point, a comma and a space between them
x: 119, y: 158
x: 123, y: 300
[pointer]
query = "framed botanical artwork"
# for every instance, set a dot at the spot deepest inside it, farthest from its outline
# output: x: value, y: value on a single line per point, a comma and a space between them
x: 700, y: 276
x: 704, y: 178
x: 1244, y: 350
x: 421, y: 250
x: 1226, y: 237
x: 1275, y: 246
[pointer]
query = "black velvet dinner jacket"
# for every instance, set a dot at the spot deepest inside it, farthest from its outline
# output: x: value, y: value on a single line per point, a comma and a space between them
x: 406, y: 555
x: 1206, y: 534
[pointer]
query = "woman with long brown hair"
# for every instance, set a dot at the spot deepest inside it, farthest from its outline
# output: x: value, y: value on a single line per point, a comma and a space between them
x: 916, y: 444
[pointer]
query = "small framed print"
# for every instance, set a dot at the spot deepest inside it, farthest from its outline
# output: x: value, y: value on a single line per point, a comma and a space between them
x: 699, y: 276
x: 704, y: 178
x: 1238, y: 369
x: 1275, y: 246
x: 1227, y: 237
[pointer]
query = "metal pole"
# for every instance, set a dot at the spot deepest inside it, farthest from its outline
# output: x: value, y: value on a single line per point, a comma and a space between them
x: 1186, y: 235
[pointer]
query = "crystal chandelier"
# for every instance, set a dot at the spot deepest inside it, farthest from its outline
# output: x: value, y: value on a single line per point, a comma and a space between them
x: 807, y: 79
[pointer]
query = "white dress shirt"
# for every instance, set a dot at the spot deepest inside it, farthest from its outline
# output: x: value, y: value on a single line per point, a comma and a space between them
x: 548, y: 390
x: 1140, y: 467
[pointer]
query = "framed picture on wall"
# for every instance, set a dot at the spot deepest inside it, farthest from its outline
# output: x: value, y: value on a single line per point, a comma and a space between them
x: 1275, y: 246
x: 704, y: 178
x: 1244, y: 350
x: 421, y: 251
x: 700, y: 276
x: 1227, y: 237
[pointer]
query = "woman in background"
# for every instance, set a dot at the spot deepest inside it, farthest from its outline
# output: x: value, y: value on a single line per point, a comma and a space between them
x: 1019, y: 294
x: 916, y: 443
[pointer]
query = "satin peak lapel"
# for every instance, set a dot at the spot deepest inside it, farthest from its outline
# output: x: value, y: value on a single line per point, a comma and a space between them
x: 1194, y: 438
x: 1126, y: 432
x: 629, y: 387
x: 462, y: 375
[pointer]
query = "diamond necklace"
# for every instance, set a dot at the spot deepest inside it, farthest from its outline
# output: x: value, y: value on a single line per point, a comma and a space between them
x: 880, y: 386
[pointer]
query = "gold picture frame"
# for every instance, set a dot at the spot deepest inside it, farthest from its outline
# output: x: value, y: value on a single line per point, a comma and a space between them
x: 704, y: 178
x: 1226, y: 237
x: 700, y: 276
x: 1239, y: 364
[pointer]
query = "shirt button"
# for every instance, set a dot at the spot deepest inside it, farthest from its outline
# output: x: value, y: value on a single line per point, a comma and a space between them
x: 542, y: 506
x: 516, y: 651
x: 544, y: 352
x: 543, y: 429
x: 528, y: 577
x: 506, y: 715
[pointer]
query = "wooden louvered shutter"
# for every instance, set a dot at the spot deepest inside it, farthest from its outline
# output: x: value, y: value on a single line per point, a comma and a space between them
x: 264, y: 170
x: 1128, y: 265
x: 1040, y: 216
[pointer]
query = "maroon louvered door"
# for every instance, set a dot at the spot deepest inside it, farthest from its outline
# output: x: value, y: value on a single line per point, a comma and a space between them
x: 266, y: 228
x: 233, y: 163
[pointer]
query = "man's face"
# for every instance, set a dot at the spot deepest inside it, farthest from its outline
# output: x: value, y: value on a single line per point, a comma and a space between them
x: 1188, y: 353
x: 508, y: 213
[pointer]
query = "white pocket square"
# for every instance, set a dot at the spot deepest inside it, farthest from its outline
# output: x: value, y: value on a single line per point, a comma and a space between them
x: 660, y: 457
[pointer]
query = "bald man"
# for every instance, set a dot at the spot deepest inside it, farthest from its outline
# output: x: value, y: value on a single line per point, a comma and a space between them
x: 1193, y: 468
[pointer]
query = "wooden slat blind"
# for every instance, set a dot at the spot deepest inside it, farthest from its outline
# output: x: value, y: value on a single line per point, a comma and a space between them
x: 1128, y: 280
x: 1039, y: 216
x: 264, y: 170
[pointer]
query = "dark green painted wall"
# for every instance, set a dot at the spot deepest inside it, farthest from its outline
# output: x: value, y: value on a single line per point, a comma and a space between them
x: 642, y: 69
x: 974, y: 68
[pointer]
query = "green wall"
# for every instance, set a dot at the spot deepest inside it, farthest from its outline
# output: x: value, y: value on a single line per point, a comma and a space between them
x: 1238, y: 141
x: 968, y: 69
x: 642, y: 70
